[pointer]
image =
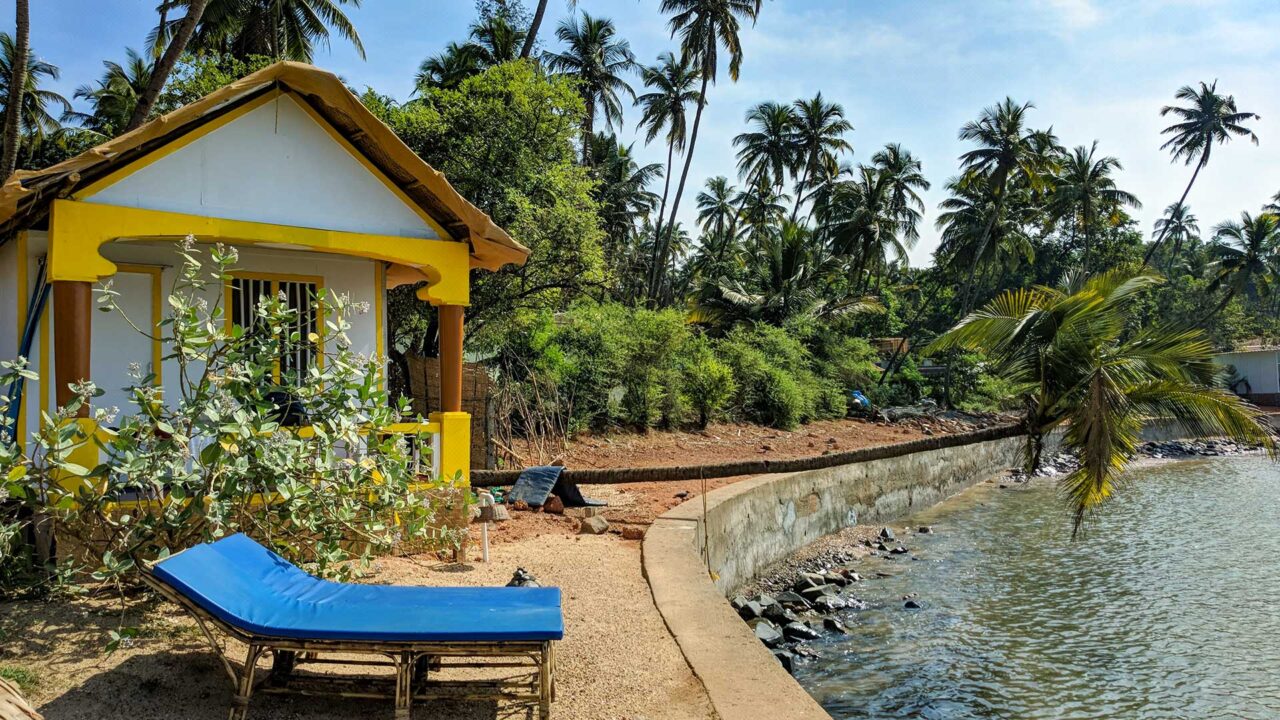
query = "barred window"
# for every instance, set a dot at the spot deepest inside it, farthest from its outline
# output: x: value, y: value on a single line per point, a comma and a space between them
x: 300, y: 297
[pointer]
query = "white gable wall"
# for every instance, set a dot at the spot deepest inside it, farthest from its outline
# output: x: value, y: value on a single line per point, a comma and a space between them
x: 275, y: 164
x: 1260, y: 367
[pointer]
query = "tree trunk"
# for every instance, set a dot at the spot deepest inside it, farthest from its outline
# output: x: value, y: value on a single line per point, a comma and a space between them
x: 666, y: 188
x: 164, y: 66
x: 17, y: 83
x: 977, y: 255
x: 532, y: 36
x: 1226, y: 299
x: 1165, y: 230
x: 804, y: 179
x: 588, y: 131
x: 661, y: 245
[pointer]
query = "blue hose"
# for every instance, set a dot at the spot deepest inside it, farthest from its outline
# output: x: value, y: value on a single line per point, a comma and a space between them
x: 35, y: 308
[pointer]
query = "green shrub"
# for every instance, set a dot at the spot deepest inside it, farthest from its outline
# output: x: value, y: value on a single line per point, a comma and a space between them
x: 707, y: 382
x: 776, y: 383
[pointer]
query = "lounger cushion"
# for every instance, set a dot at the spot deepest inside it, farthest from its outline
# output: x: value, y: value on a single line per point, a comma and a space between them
x: 249, y: 587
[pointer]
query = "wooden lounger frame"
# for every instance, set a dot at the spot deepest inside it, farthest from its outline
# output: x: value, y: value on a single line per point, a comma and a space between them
x: 411, y: 661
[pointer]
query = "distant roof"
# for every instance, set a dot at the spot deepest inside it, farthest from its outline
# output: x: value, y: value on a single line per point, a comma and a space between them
x: 1256, y: 345
x: 26, y: 196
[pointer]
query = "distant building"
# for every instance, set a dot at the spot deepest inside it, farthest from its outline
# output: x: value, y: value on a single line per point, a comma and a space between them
x: 1257, y: 371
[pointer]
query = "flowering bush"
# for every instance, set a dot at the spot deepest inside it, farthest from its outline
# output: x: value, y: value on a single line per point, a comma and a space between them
x: 211, y: 457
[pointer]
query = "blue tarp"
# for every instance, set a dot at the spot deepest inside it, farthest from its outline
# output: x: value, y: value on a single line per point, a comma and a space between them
x: 248, y: 586
x: 535, y: 484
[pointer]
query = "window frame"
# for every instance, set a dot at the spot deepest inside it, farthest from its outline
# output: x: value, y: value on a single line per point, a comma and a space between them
x: 229, y: 294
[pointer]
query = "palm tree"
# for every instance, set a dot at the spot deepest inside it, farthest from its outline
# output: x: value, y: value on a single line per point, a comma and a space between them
x: 1211, y: 119
x: 491, y: 42
x: 718, y: 215
x: 905, y: 177
x: 790, y: 277
x: 116, y: 94
x: 167, y: 60
x: 1273, y: 207
x: 1083, y: 190
x: 35, y: 122
x: 1073, y: 363
x: 17, y: 79
x: 768, y: 153
x: 280, y: 29
x: 1245, y: 254
x: 761, y: 208
x: 531, y: 36
x: 703, y: 26
x: 818, y: 132
x: 623, y: 188
x: 1179, y: 226
x: 1006, y: 148
x: 664, y: 109
x: 597, y: 58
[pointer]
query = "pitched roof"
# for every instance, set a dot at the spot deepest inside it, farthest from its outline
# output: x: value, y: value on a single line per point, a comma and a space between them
x: 26, y: 196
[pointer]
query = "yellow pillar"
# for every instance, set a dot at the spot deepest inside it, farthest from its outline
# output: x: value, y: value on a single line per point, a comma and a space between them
x: 455, y: 444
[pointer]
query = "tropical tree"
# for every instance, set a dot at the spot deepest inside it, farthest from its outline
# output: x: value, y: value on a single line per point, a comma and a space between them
x: 818, y: 132
x: 673, y: 84
x: 704, y: 26
x: 17, y: 79
x: 761, y: 208
x: 280, y: 29
x: 1073, y: 363
x: 1083, y: 191
x: 35, y: 122
x: 531, y: 37
x: 492, y: 41
x: 1245, y: 255
x: 166, y: 61
x: 768, y: 151
x: 1006, y: 149
x: 718, y: 215
x: 1179, y: 226
x: 597, y: 58
x: 1209, y: 119
x: 622, y: 190
x: 1273, y: 206
x: 904, y: 176
x: 791, y: 276
x: 115, y: 96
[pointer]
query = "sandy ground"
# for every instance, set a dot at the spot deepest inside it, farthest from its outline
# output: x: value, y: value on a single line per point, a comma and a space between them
x: 616, y: 661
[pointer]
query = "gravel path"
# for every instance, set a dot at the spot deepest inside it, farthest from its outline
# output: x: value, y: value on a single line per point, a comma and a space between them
x: 617, y: 661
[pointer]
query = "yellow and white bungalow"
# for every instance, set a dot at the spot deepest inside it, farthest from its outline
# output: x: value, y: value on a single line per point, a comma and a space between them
x: 287, y: 165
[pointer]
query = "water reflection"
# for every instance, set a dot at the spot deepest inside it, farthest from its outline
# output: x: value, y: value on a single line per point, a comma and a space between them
x: 1170, y: 608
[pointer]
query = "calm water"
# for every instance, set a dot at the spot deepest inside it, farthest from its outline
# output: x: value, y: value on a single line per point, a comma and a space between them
x: 1169, y: 609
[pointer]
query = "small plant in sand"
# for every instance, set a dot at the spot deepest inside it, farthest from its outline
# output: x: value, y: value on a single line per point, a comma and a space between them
x: 210, y: 456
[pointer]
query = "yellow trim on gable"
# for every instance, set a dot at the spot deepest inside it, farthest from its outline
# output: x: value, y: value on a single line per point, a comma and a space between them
x: 360, y: 157
x: 20, y: 311
x: 77, y: 231
x: 157, y: 312
x: 174, y: 146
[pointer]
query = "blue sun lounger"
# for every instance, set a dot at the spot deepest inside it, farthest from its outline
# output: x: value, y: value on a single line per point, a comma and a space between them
x: 257, y: 597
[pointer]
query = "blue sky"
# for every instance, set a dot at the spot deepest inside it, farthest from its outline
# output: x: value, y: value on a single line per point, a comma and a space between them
x: 906, y: 71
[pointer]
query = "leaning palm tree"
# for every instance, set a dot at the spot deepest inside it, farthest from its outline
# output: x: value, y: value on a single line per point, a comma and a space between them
x: 704, y: 26
x: 818, y: 132
x: 115, y: 96
x: 1211, y: 119
x: 35, y: 122
x: 673, y: 84
x: 166, y: 59
x: 1006, y: 149
x: 1074, y: 364
x: 597, y: 58
x: 17, y: 79
x: 531, y: 36
x: 1084, y: 191
x: 1180, y: 227
x: 1244, y: 257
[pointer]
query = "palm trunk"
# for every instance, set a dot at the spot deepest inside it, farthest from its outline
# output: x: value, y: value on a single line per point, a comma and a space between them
x: 588, y: 132
x: 532, y: 36
x: 164, y: 66
x: 17, y: 83
x: 1088, y: 240
x: 1204, y: 159
x: 666, y: 188
x: 1226, y: 299
x: 977, y: 256
x: 795, y: 211
x: 662, y: 245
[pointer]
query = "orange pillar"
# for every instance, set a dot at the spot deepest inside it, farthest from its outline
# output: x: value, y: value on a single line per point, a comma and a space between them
x: 72, y: 335
x: 451, y: 358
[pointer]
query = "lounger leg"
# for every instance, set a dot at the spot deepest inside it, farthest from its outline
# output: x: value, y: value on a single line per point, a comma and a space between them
x: 282, y: 667
x: 240, y: 703
x: 404, y: 685
x: 545, y: 680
